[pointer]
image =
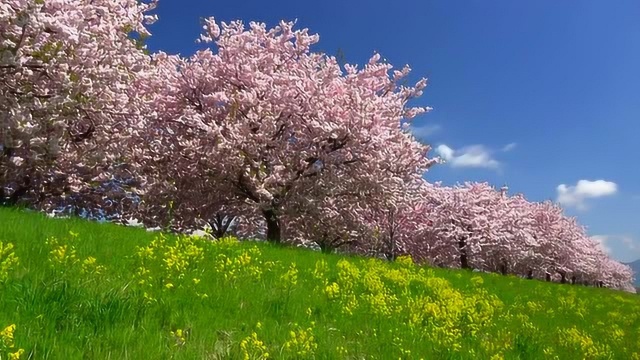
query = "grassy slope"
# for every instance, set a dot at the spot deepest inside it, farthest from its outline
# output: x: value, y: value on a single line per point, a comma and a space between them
x: 375, y: 310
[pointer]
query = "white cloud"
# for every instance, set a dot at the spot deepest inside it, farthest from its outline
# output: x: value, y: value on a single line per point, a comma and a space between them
x: 619, y: 246
x: 423, y: 132
x: 629, y: 243
x: 445, y: 152
x: 475, y: 156
x: 509, y: 147
x: 602, y: 241
x: 575, y: 196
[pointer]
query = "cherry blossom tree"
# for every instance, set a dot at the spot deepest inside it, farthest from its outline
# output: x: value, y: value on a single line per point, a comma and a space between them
x: 265, y: 118
x: 394, y: 223
x: 460, y: 218
x: 615, y: 274
x: 67, y: 71
x: 327, y: 219
x: 473, y: 225
x: 184, y: 205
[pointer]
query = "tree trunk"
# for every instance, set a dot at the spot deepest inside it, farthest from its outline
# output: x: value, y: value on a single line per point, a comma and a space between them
x: 563, y: 278
x: 391, y: 256
x: 464, y: 261
x: 273, y: 226
x: 503, y: 268
x: 325, y: 248
x: 324, y: 243
x: 17, y: 193
x: 221, y: 224
x: 548, y: 277
x: 530, y: 274
x: 391, y: 245
x: 573, y: 280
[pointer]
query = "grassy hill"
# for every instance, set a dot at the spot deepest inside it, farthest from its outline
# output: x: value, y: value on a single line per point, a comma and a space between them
x: 81, y: 290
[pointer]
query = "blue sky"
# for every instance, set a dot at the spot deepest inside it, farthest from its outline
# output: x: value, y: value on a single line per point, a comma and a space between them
x: 538, y: 95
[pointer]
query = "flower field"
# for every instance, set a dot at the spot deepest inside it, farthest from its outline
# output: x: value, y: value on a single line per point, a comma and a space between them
x: 72, y: 289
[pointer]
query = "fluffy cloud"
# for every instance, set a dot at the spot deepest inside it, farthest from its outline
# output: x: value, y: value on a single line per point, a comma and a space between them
x: 602, y: 240
x: 474, y: 156
x: 575, y: 196
x: 619, y: 246
x: 423, y: 132
x: 509, y: 147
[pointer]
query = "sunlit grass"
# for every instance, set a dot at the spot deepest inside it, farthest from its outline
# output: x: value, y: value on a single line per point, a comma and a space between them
x: 72, y: 289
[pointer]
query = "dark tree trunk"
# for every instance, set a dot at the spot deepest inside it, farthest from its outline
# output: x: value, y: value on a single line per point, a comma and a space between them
x: 391, y: 256
x: 547, y: 277
x: 325, y: 248
x: 503, y: 269
x: 17, y: 193
x: 328, y: 246
x: 221, y: 224
x: 464, y: 261
x: 391, y: 251
x: 324, y: 243
x: 530, y: 274
x: 563, y: 278
x: 573, y: 280
x: 273, y: 226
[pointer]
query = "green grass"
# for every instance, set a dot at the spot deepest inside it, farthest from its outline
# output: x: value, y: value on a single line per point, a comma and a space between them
x: 145, y: 303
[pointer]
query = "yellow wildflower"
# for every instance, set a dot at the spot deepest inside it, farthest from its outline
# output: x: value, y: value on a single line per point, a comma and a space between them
x: 8, y: 261
x: 6, y: 335
x: 253, y: 348
x: 179, y: 336
x: 301, y: 343
x: 16, y: 355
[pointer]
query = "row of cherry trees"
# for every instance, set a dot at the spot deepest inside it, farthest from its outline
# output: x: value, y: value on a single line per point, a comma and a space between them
x: 261, y: 137
x: 476, y: 226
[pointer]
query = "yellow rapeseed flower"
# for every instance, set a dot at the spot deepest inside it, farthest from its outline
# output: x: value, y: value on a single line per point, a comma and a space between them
x: 332, y: 291
x: 90, y: 266
x: 8, y: 261
x: 6, y: 335
x: 290, y: 278
x: 253, y: 348
x: 301, y: 342
x: 16, y: 355
x: 179, y: 337
x: 405, y: 260
x: 477, y: 280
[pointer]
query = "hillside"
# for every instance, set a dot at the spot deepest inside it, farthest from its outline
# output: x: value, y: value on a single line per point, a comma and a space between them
x: 86, y: 290
x: 635, y: 266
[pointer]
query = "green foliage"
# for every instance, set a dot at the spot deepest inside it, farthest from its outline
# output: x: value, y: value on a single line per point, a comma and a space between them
x: 88, y: 290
